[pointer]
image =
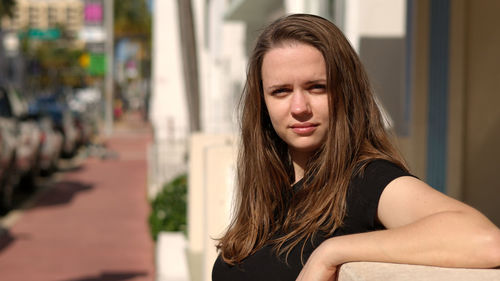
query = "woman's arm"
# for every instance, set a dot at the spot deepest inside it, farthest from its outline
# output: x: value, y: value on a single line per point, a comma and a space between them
x: 423, y: 227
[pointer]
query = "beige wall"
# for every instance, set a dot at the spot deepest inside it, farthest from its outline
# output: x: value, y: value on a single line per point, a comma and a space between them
x: 211, y: 179
x: 414, y: 147
x: 482, y: 102
x: 474, y: 97
x: 219, y: 185
x: 456, y: 106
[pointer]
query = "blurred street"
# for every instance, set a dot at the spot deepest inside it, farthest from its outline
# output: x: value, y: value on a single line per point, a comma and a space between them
x: 90, y: 221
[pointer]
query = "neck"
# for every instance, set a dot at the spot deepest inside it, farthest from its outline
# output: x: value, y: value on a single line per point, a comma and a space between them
x: 299, y: 161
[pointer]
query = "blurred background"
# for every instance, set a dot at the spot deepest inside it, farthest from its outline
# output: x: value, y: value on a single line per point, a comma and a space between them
x: 160, y: 80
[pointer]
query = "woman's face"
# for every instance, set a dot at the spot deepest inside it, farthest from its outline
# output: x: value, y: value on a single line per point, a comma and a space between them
x: 294, y: 84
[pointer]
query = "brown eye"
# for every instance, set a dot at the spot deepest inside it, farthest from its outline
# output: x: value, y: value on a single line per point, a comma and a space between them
x: 279, y: 91
x: 318, y: 88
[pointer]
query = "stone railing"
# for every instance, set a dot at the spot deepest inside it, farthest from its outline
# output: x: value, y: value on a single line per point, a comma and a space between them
x: 375, y: 271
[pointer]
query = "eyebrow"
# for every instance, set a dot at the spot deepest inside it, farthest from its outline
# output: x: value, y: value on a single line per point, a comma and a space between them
x: 274, y: 87
x: 316, y: 81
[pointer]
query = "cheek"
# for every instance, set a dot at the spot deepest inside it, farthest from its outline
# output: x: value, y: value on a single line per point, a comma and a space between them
x: 278, y: 123
x: 277, y: 115
x: 323, y: 108
x: 274, y: 122
x: 326, y: 113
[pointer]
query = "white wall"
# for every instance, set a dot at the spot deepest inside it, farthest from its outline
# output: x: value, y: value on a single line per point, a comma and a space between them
x: 221, y: 66
x: 223, y: 69
x: 375, y: 18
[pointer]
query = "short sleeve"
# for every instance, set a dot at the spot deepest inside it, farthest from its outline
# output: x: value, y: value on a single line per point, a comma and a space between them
x: 364, y: 194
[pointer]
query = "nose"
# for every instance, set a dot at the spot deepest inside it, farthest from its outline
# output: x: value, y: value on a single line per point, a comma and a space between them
x: 300, y: 106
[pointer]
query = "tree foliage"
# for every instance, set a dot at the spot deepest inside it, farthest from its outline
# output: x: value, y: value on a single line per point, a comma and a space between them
x: 7, y: 8
x: 52, y: 63
x: 132, y: 19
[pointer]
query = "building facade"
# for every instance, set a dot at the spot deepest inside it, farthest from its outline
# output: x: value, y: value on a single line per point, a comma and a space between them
x: 45, y: 14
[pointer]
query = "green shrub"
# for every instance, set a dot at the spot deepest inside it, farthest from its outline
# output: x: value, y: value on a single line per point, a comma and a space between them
x: 169, y: 207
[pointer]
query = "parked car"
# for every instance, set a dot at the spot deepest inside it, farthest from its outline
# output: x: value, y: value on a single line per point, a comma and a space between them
x: 7, y: 160
x: 63, y: 121
x: 27, y: 136
x: 85, y: 105
x: 84, y: 127
x: 51, y: 144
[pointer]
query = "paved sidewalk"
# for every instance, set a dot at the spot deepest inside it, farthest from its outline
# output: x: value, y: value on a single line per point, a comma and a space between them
x: 91, y: 225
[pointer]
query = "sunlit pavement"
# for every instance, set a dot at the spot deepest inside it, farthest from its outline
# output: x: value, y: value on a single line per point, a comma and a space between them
x: 91, y: 223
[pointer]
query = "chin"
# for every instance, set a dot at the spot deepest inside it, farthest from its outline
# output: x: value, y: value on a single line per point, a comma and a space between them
x: 305, y: 148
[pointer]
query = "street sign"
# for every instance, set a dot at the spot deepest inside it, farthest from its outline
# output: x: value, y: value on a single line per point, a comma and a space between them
x: 93, y: 13
x: 44, y: 34
x: 92, y: 34
x: 97, y: 64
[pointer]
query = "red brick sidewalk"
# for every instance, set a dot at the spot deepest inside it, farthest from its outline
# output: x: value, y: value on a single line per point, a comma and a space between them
x: 91, y: 225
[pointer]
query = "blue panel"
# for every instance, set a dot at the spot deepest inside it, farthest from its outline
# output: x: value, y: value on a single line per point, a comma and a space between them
x: 438, y: 94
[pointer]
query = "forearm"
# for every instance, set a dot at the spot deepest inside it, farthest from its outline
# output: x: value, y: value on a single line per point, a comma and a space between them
x: 451, y: 239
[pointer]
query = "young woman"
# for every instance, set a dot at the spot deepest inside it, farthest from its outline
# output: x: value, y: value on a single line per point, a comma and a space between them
x: 319, y: 182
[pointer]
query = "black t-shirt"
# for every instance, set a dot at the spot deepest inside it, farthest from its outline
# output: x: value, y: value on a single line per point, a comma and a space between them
x: 362, y: 202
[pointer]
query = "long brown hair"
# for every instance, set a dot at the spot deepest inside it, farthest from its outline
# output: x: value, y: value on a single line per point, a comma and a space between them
x: 267, y: 208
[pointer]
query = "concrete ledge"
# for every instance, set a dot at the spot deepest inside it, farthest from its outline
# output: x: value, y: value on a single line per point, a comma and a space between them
x: 374, y: 271
x: 171, y: 260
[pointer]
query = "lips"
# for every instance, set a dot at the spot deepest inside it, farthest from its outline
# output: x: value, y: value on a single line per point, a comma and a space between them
x: 304, y: 129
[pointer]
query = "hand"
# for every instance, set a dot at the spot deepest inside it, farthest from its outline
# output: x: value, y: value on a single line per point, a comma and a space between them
x: 319, y: 266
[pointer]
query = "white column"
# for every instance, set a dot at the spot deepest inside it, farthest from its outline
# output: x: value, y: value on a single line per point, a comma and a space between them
x: 351, y: 27
x: 168, y: 100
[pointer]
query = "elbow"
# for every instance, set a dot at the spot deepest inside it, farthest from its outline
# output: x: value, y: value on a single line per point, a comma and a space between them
x: 491, y: 248
x: 496, y: 246
x: 485, y: 242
